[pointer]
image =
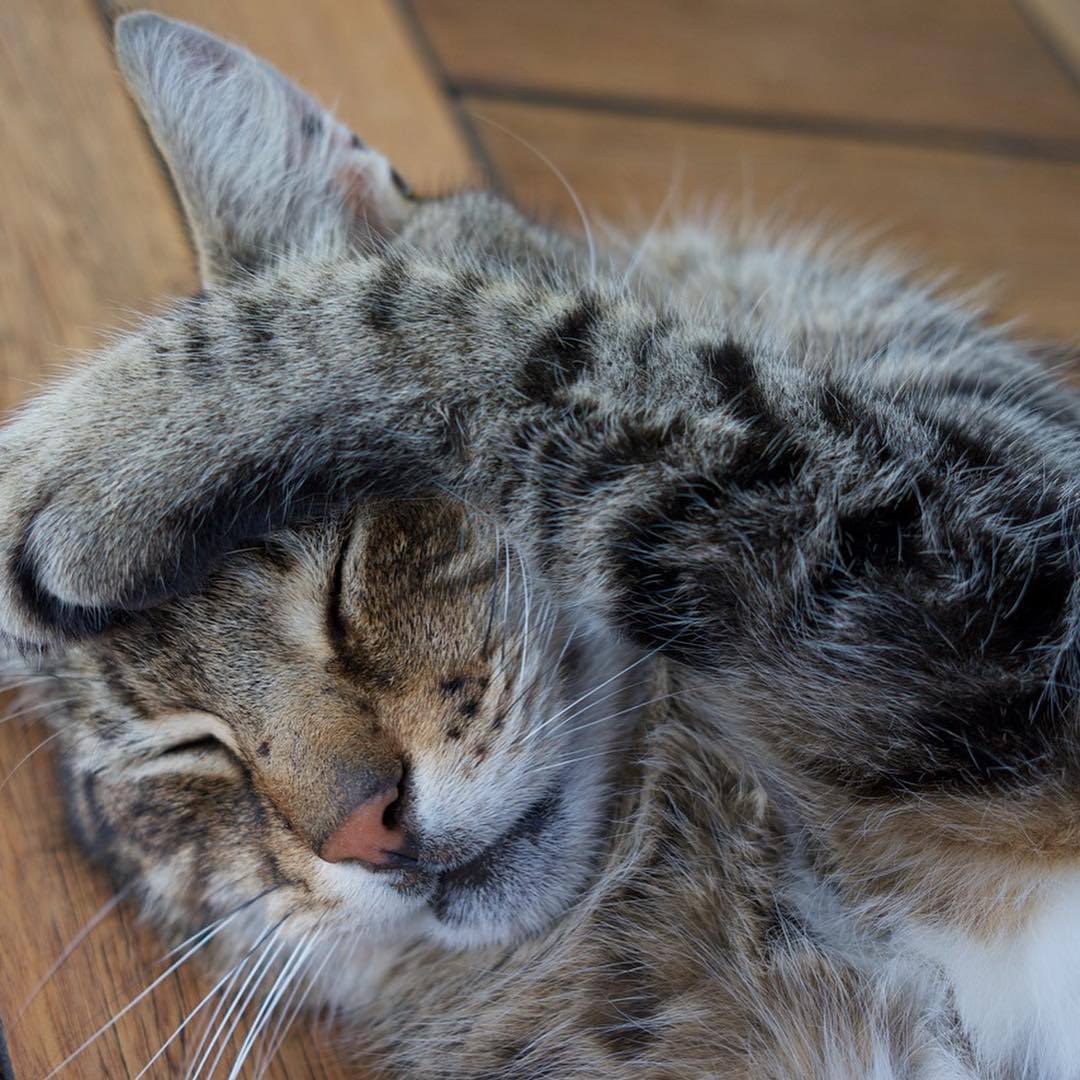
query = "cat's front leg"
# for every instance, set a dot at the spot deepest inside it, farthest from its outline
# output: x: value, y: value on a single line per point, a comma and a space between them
x: 126, y: 483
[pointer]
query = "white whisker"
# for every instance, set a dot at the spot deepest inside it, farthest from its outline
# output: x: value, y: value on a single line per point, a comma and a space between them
x: 607, y: 682
x: 630, y: 709
x: 47, y: 703
x: 228, y: 915
x: 26, y: 757
x: 237, y: 970
x: 135, y: 1001
x: 285, y: 977
x: 190, y: 1016
x: 288, y: 1017
x: 571, y: 717
x: 577, y: 760
x: 242, y: 1000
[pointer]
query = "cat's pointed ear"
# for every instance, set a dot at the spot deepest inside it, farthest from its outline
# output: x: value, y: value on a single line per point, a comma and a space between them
x: 263, y: 170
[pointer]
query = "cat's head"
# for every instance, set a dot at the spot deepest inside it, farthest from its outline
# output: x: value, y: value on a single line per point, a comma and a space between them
x: 372, y: 717
x: 375, y: 723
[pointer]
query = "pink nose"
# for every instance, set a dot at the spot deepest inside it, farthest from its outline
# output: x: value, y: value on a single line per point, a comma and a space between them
x: 365, y: 834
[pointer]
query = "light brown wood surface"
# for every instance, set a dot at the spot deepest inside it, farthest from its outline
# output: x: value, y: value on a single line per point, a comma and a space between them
x: 937, y: 64
x: 87, y: 227
x: 951, y: 128
x: 1059, y: 22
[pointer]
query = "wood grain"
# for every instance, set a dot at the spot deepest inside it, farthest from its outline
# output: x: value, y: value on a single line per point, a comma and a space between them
x: 937, y: 64
x: 89, y: 232
x: 1008, y: 220
x: 87, y: 229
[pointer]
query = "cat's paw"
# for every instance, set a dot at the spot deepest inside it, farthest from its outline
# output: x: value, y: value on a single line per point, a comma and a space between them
x: 48, y: 522
x: 91, y: 512
x: 34, y: 485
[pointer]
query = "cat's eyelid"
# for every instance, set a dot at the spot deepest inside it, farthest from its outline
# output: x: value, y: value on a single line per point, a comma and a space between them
x: 189, y: 726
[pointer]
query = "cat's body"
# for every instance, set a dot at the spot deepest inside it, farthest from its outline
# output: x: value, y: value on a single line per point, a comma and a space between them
x: 732, y: 730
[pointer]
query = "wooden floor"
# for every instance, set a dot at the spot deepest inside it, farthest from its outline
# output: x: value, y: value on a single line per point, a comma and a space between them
x: 949, y: 128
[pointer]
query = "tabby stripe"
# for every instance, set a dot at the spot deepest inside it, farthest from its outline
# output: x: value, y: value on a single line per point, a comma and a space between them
x: 733, y: 372
x: 383, y: 297
x: 562, y: 356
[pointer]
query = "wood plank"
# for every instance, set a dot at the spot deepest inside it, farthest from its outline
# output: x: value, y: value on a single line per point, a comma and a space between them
x: 87, y: 229
x: 986, y: 217
x: 935, y: 64
x: 357, y: 58
x: 89, y: 232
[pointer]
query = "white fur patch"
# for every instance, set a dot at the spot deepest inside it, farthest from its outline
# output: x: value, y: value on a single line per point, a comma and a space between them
x: 1018, y: 995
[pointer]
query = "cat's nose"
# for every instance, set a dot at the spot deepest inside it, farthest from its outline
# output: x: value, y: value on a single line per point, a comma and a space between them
x: 370, y: 834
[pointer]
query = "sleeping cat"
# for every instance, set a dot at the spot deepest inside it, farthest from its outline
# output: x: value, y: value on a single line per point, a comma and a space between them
x: 559, y: 663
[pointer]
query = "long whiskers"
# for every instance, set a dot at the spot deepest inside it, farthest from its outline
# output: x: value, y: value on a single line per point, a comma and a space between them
x: 27, y: 710
x: 225, y: 997
x: 631, y: 708
x: 242, y: 906
x: 607, y: 751
x: 141, y: 996
x: 230, y: 974
x: 298, y: 957
x: 72, y: 946
x: 290, y: 1010
x: 241, y: 1001
x: 589, y: 693
x: 588, y: 706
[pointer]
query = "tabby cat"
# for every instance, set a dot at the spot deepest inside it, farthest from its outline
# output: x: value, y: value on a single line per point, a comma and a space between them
x: 559, y: 663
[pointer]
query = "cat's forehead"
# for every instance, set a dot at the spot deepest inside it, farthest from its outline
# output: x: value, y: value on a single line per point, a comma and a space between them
x: 381, y: 599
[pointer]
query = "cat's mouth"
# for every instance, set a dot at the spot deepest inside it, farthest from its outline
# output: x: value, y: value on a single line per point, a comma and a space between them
x: 477, y: 874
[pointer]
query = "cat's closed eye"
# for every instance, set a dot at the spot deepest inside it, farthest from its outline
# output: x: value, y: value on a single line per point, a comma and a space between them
x: 198, y: 745
x: 187, y: 736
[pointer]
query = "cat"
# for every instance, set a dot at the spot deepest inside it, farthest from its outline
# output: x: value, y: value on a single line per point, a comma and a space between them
x: 559, y: 662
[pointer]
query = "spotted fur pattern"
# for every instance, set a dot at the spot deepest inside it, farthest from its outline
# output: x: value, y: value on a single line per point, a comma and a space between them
x: 716, y: 608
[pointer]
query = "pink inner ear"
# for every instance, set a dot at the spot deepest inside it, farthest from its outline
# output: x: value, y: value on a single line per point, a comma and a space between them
x: 359, y: 189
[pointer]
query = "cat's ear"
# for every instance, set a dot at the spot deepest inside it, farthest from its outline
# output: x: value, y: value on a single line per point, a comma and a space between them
x: 263, y: 170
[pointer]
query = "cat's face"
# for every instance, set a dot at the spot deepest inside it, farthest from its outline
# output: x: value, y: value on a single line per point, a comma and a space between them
x: 396, y: 660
